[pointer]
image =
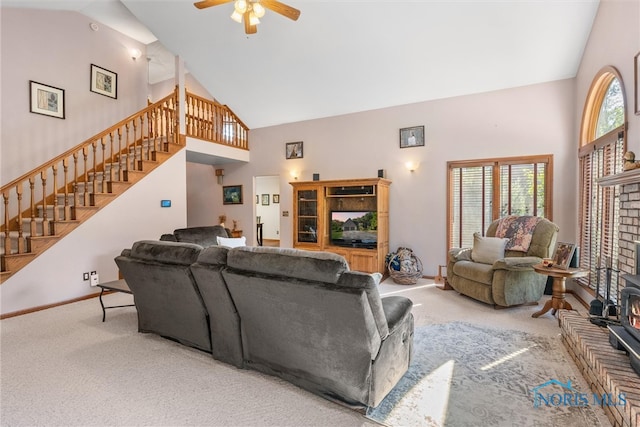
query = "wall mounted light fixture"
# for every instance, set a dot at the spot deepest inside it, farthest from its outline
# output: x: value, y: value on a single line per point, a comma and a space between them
x: 411, y: 166
x: 219, y: 175
x: 294, y: 174
x: 135, y: 53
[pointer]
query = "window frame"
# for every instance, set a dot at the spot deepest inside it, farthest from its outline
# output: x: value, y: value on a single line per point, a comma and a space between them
x: 604, y: 149
x: 496, y: 163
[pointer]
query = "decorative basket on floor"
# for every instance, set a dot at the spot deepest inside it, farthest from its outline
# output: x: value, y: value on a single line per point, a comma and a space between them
x: 405, y: 268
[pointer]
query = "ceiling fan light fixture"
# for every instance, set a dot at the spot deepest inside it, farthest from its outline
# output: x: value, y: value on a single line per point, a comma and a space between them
x: 237, y: 16
x: 253, y: 19
x: 240, y: 6
x: 258, y: 10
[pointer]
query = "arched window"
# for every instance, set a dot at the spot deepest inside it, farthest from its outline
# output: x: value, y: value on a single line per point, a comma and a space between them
x: 602, y: 145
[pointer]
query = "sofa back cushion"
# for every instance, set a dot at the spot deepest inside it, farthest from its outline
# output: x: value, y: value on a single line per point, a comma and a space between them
x: 165, y: 252
x: 306, y: 317
x: 203, y: 236
x: 294, y: 263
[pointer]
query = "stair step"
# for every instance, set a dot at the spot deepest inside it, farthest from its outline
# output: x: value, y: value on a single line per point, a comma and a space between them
x: 101, y: 186
x: 14, y: 262
x: 39, y: 243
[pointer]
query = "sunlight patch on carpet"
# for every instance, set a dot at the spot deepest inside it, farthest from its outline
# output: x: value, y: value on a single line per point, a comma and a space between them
x: 468, y: 375
x: 504, y: 359
x: 428, y: 398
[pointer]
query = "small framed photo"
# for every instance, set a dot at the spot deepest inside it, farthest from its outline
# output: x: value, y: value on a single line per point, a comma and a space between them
x: 563, y: 255
x: 232, y: 195
x: 636, y: 80
x: 257, y: 199
x: 412, y: 137
x: 104, y: 82
x: 47, y: 100
x: 294, y: 150
x: 265, y: 200
x: 276, y: 198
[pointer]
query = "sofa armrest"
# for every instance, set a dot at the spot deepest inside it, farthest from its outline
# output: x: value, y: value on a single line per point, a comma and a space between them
x: 460, y: 254
x: 396, y: 310
x: 517, y: 263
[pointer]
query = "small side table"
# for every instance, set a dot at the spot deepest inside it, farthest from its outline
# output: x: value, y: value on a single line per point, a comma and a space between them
x: 114, y: 286
x: 559, y: 290
x: 236, y: 233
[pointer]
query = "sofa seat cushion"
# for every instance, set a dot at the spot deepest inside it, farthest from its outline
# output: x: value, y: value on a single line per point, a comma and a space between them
x: 475, y: 271
x: 295, y: 263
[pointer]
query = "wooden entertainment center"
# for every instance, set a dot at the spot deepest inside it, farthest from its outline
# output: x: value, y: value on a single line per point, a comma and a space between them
x: 313, y: 203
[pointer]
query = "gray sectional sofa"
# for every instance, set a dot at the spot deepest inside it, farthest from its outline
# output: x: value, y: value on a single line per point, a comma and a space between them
x: 300, y: 315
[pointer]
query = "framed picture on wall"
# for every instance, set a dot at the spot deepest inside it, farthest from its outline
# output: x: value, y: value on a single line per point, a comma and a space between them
x: 46, y: 100
x: 294, y: 150
x: 412, y: 137
x: 276, y: 198
x: 104, y: 82
x: 265, y: 200
x: 232, y: 195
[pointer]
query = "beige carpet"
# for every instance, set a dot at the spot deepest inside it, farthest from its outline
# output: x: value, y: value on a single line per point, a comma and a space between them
x: 64, y: 367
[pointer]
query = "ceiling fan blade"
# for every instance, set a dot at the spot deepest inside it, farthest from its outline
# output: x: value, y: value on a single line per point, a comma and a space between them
x: 281, y: 8
x: 248, y: 28
x: 208, y: 3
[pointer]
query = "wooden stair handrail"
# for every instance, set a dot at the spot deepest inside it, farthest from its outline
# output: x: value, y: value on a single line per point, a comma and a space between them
x: 84, y: 144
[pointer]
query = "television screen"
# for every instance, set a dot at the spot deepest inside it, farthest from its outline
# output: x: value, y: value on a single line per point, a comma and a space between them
x: 358, y: 229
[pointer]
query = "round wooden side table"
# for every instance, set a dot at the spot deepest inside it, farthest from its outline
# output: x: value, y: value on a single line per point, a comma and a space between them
x: 559, y: 290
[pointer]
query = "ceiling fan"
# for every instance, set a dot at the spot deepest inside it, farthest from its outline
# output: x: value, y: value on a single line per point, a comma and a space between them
x: 252, y: 10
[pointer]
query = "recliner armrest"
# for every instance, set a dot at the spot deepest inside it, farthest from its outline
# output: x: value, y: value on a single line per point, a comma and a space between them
x: 460, y: 254
x: 396, y: 309
x: 517, y: 263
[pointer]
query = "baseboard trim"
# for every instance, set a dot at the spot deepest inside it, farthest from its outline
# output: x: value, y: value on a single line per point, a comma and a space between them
x: 45, y: 307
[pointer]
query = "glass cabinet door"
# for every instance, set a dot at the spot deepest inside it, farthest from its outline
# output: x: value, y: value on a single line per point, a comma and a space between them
x: 307, y: 231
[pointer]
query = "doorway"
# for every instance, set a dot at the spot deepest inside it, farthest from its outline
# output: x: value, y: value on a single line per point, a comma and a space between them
x: 268, y: 209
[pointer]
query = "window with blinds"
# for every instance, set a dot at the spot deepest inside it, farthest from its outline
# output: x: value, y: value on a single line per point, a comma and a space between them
x: 602, y: 146
x: 481, y: 191
x: 599, y: 208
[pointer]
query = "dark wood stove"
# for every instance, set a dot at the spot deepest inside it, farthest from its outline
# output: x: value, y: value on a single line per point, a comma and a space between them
x: 627, y: 335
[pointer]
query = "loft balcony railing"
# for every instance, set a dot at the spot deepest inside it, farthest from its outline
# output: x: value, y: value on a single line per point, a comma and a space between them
x: 214, y: 122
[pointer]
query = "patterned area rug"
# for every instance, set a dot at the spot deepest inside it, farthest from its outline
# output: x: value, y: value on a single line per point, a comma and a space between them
x: 467, y: 375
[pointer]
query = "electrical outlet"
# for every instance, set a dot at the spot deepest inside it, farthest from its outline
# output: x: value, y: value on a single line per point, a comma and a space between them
x: 94, y: 278
x: 85, y: 276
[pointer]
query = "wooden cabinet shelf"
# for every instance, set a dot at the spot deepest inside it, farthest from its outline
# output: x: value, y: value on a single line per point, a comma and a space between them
x: 314, y: 201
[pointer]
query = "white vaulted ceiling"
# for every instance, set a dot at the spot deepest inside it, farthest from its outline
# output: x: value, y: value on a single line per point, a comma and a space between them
x: 348, y: 56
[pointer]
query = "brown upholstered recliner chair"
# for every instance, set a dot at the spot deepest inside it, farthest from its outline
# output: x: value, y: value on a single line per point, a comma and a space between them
x: 508, y: 279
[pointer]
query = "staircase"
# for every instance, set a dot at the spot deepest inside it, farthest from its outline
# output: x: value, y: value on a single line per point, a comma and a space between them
x: 49, y: 202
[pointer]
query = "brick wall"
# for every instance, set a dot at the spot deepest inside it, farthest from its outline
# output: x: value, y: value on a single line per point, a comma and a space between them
x: 606, y: 369
x: 629, y: 228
